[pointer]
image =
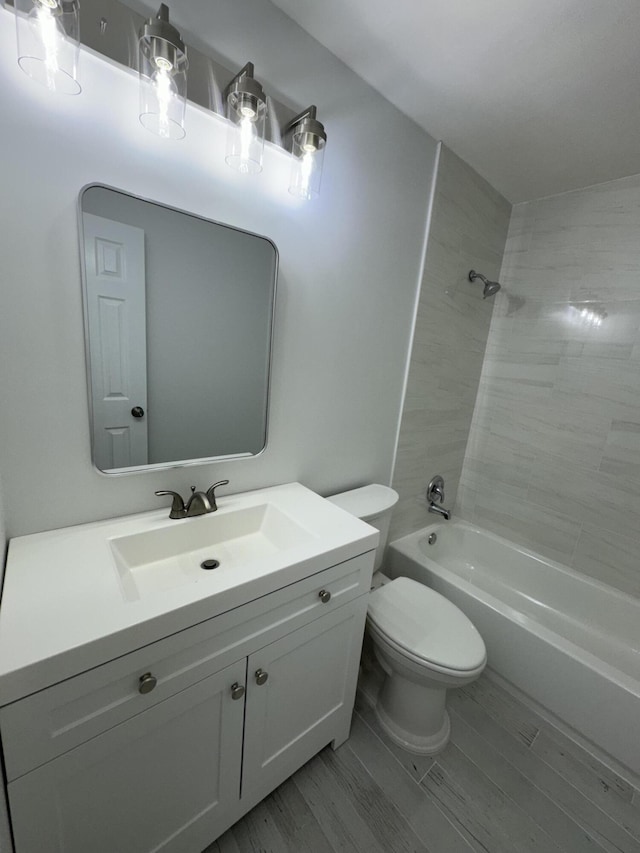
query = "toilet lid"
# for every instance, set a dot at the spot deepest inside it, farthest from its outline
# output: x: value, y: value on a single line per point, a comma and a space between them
x: 425, y: 624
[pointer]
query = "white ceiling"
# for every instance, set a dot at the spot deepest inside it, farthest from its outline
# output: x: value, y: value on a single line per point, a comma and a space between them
x: 539, y: 96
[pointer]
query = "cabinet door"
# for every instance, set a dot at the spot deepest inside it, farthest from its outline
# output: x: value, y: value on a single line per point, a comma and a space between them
x: 306, y: 700
x: 161, y: 781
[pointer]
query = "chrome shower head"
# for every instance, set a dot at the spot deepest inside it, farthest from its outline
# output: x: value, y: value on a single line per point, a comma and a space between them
x: 490, y: 287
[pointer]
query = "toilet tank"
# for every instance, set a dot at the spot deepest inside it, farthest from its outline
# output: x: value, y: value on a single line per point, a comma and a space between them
x: 373, y: 504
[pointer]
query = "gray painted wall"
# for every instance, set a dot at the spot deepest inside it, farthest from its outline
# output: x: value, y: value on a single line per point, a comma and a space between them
x: 469, y: 223
x: 554, y: 454
x: 348, y: 267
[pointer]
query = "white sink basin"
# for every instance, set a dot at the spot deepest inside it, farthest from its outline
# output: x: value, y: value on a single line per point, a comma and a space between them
x: 155, y: 560
x: 84, y: 595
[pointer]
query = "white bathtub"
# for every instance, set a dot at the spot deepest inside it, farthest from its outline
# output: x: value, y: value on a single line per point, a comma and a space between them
x: 572, y: 644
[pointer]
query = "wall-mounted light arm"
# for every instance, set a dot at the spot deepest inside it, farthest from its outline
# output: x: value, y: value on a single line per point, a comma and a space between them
x: 163, y: 68
x: 246, y: 109
x: 305, y: 138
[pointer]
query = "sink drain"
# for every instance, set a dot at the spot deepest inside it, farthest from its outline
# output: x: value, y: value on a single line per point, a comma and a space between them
x: 209, y: 564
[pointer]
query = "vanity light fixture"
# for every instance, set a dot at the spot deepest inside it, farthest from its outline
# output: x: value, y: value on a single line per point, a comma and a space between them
x: 48, y: 36
x: 246, y: 109
x: 163, y: 77
x: 305, y: 138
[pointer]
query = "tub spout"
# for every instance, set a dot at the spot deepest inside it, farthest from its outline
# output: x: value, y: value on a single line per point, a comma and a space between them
x: 439, y: 510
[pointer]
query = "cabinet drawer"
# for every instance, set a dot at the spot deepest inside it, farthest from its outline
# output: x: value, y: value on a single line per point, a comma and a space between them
x: 46, y: 724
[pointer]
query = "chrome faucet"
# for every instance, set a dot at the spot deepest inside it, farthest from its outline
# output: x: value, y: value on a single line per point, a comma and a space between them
x: 199, y: 503
x: 435, y: 497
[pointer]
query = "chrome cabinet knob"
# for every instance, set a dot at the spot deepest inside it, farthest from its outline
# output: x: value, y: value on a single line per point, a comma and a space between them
x: 324, y: 595
x: 261, y: 676
x: 237, y: 691
x: 147, y: 683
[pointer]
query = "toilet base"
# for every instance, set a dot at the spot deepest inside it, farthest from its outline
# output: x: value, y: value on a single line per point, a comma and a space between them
x: 412, y: 714
x: 418, y: 744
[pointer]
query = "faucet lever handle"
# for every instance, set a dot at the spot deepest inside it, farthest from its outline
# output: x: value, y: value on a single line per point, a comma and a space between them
x: 178, y: 508
x: 435, y: 489
x: 211, y: 492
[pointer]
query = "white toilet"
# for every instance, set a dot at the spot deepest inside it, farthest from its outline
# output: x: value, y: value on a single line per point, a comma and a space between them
x: 423, y: 642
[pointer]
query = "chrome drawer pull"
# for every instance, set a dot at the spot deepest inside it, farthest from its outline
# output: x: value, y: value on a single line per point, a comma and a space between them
x: 147, y: 683
x: 324, y: 596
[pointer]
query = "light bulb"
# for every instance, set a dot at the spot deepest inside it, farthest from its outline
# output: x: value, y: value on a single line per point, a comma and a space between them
x: 45, y: 22
x: 163, y: 65
x: 48, y: 43
x: 306, y: 170
x: 165, y: 91
x: 245, y: 135
x: 306, y: 140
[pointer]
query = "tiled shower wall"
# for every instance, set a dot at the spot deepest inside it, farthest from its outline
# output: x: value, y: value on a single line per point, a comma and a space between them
x: 468, y: 231
x: 553, y: 460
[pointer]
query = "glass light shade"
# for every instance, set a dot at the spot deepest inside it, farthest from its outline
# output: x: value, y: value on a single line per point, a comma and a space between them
x: 307, y: 156
x: 48, y: 36
x: 245, y: 135
x: 163, y: 87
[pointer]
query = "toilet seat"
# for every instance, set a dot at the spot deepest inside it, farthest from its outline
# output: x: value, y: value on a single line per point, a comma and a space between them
x: 424, y: 626
x: 427, y: 669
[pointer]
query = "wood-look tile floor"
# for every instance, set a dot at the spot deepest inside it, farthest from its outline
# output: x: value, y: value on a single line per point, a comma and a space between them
x: 507, y: 781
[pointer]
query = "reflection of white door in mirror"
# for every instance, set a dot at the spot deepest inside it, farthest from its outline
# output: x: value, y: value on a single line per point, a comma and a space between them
x: 115, y: 270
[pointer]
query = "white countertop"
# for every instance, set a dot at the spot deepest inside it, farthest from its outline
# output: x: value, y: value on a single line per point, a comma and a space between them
x: 64, y: 608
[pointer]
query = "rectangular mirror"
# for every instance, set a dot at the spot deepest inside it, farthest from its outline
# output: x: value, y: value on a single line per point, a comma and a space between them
x: 178, y: 327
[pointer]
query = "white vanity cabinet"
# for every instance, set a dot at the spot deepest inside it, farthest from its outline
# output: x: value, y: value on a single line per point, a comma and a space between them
x: 159, y: 781
x: 306, y: 701
x: 96, y: 765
